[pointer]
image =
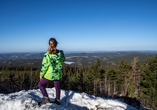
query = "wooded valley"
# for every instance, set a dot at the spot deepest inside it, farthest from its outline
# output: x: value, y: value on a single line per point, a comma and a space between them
x: 134, y: 80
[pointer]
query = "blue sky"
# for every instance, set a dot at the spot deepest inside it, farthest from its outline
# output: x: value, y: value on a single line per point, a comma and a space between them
x: 78, y: 25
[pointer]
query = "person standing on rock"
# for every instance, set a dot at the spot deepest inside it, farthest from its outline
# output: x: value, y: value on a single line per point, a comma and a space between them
x: 51, y: 71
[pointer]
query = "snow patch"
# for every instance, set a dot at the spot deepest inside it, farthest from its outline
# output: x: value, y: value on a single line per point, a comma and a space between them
x: 28, y: 100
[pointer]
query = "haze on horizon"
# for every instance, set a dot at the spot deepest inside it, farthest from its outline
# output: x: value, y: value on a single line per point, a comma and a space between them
x: 78, y: 25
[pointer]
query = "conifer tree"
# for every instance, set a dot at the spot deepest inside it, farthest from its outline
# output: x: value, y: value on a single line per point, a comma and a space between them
x: 123, y: 77
x: 80, y: 81
x: 134, y: 87
x: 149, y: 83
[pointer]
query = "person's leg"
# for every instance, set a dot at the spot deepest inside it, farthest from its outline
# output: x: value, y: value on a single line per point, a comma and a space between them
x: 41, y: 85
x: 57, y: 87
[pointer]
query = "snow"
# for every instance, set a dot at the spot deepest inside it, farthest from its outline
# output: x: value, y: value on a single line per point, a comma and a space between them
x: 70, y: 100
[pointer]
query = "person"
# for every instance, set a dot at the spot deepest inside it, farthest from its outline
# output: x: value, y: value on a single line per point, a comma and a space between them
x: 51, y: 70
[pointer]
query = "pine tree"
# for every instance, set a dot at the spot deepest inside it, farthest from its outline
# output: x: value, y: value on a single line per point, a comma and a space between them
x: 123, y: 77
x: 149, y: 82
x: 134, y: 87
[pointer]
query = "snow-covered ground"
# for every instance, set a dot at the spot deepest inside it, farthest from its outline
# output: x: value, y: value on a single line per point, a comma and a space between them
x: 28, y: 100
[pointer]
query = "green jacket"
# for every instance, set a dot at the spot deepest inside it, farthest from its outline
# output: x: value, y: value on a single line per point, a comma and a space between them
x: 51, y: 66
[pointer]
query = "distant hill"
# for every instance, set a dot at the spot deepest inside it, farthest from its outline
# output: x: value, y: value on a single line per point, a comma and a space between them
x: 79, y: 59
x: 108, y: 58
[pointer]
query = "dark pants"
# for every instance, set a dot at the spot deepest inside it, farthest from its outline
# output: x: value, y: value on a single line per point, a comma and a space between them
x: 42, y: 84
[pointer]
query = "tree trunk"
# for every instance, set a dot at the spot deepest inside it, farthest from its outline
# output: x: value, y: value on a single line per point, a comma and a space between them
x: 109, y: 89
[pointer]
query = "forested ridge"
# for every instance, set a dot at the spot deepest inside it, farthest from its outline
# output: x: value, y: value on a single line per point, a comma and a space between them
x: 130, y: 80
x: 78, y: 59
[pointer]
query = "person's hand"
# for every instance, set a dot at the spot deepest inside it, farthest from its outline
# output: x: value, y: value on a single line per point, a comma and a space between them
x: 41, y: 77
x: 61, y: 51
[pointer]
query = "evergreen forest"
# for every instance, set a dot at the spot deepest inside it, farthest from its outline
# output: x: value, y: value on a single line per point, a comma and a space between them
x: 127, y: 80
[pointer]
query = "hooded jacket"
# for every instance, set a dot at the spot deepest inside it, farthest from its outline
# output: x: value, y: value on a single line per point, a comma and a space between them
x: 51, y: 66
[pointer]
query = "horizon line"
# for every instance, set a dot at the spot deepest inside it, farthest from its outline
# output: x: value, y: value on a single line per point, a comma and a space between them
x: 88, y: 51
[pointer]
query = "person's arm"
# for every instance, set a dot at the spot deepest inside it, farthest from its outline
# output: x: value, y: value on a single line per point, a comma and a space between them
x: 61, y: 56
x: 44, y: 67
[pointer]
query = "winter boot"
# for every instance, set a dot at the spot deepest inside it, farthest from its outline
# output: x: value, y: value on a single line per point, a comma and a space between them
x: 57, y: 101
x: 45, y: 100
